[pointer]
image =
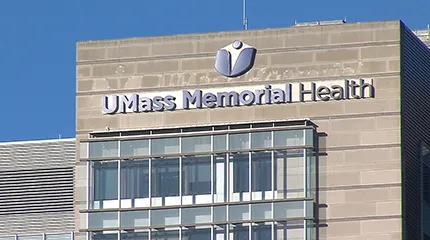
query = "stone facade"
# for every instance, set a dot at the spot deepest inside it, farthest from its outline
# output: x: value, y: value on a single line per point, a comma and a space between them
x: 360, y: 140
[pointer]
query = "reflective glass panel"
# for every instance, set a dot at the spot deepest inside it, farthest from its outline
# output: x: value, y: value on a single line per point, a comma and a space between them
x: 261, y: 139
x: 261, y: 173
x: 105, y: 184
x: 135, y: 236
x: 192, y: 216
x: 289, y: 174
x: 165, y: 177
x: 238, y: 141
x: 220, y: 142
x: 165, y: 217
x: 220, y: 178
x: 196, y: 176
x: 287, y: 138
x: 134, y: 182
x: 164, y: 146
x: 196, y: 233
x: 165, y: 234
x: 196, y: 144
x: 104, y: 236
x: 103, y: 149
x: 239, y: 212
x: 135, y: 147
x: 239, y: 177
x: 261, y: 231
x: 132, y: 219
x: 99, y: 220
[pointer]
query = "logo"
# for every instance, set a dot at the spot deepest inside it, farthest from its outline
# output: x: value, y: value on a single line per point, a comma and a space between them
x: 235, y: 59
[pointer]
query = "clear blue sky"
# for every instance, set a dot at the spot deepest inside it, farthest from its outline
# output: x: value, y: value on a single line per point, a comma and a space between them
x: 38, y: 42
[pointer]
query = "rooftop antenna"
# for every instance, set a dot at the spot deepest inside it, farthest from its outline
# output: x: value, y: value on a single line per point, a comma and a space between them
x: 245, y: 20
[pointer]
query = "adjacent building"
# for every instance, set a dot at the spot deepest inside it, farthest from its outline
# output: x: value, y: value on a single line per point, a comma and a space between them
x: 36, y: 190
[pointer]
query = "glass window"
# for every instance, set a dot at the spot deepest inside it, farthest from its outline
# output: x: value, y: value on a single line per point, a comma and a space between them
x: 164, y: 146
x: 32, y: 237
x: 196, y: 175
x: 7, y: 238
x: 103, y: 149
x: 165, y: 177
x: 284, y: 210
x: 262, y: 231
x: 192, y: 216
x: 194, y: 233
x: 66, y: 236
x: 165, y: 217
x: 134, y: 147
x: 239, y: 212
x: 289, y: 230
x: 261, y: 171
x: 103, y: 220
x: 104, y: 236
x: 239, y: 168
x: 220, y: 232
x: 239, y: 141
x: 261, y: 211
x: 164, y: 234
x: 196, y: 144
x: 132, y: 219
x: 135, y: 236
x: 105, y: 181
x: 220, y: 214
x: 261, y: 139
x: 289, y: 174
x: 220, y: 142
x: 239, y: 231
x: 309, y: 135
x: 134, y: 181
x: 220, y: 178
x: 288, y: 138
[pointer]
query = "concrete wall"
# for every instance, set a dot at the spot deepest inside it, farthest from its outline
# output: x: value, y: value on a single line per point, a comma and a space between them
x: 359, y: 170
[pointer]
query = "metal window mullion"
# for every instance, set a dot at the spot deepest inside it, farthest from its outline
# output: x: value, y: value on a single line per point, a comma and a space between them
x: 212, y: 169
x: 119, y: 195
x: 180, y: 176
x: 305, y: 232
x: 227, y: 170
x: 249, y: 169
x: 250, y: 228
x: 304, y: 172
x: 90, y: 178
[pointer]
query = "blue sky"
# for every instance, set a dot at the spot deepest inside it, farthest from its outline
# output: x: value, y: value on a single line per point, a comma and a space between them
x: 38, y: 42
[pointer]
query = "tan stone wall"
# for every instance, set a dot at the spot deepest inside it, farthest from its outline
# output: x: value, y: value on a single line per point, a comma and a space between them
x: 359, y: 176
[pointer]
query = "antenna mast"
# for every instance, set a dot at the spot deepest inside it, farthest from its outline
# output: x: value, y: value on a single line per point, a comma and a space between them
x: 245, y: 20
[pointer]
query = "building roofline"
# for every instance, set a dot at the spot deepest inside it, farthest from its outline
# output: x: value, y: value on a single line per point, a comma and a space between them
x: 38, y: 141
x: 172, y: 36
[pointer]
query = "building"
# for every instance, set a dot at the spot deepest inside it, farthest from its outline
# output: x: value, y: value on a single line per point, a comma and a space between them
x: 424, y: 35
x: 36, y: 190
x: 315, y: 131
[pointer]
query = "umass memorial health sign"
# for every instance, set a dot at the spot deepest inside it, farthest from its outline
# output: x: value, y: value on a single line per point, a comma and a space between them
x: 247, y: 95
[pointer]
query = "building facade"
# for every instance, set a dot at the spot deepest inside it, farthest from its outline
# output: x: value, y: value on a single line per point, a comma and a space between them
x: 306, y: 132
x: 36, y: 190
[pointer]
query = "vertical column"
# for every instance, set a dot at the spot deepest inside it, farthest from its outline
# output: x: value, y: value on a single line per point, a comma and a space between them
x: 150, y: 172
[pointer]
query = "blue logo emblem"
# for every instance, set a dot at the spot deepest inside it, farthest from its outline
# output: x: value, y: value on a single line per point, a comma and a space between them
x: 235, y: 59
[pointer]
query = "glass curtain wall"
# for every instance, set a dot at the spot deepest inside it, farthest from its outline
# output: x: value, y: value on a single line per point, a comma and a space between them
x: 188, y: 173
